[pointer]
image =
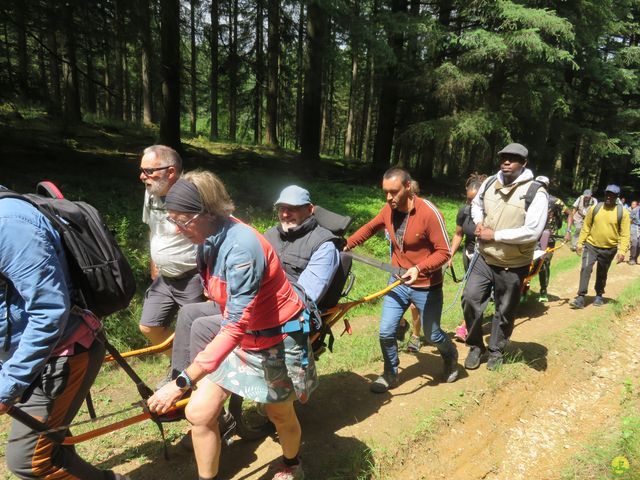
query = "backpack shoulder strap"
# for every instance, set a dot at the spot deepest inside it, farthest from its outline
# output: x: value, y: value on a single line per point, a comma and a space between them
x: 620, y: 211
x: 490, y: 181
x: 596, y: 209
x: 531, y: 194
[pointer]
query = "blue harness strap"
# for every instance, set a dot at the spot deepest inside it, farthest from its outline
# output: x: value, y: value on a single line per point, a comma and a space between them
x: 299, y: 323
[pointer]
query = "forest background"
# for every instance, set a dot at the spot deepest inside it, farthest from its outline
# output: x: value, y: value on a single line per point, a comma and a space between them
x: 437, y: 86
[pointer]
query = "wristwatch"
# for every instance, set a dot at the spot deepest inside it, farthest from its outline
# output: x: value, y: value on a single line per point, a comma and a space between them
x: 183, y: 381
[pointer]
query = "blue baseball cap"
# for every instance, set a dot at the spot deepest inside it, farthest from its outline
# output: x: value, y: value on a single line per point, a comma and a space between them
x: 293, y: 195
x: 615, y: 189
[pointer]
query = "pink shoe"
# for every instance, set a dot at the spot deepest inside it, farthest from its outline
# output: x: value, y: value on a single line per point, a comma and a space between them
x: 461, y: 333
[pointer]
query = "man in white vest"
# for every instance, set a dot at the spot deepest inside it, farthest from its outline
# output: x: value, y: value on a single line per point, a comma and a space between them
x: 510, y: 212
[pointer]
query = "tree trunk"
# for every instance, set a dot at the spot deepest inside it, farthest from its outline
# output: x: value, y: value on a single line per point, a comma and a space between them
x: 118, y: 75
x: 311, y: 114
x: 126, y: 114
x: 146, y: 56
x: 7, y: 51
x: 388, y: 103
x: 21, y: 45
x: 55, y: 95
x: 273, y: 55
x: 170, y: 72
x: 299, y: 82
x: 365, y: 123
x: 348, y: 138
x: 215, y: 27
x: 92, y: 105
x: 42, y: 68
x: 259, y: 73
x: 72, y: 113
x: 194, y: 97
x: 233, y: 71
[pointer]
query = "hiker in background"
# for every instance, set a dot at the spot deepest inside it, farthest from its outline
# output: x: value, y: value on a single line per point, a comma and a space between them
x: 576, y: 218
x: 52, y: 350
x: 510, y: 212
x: 634, y: 214
x: 556, y: 212
x: 415, y: 343
x: 262, y: 351
x: 419, y: 244
x: 465, y: 231
x: 173, y: 257
x: 604, y: 236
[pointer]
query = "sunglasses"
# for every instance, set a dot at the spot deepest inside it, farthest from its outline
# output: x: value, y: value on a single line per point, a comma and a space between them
x: 183, y: 225
x: 150, y: 171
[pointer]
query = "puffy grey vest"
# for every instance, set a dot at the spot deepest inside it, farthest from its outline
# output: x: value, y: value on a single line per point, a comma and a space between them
x: 296, y: 246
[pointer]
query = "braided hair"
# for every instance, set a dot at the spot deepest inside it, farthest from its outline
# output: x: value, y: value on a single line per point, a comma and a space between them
x: 474, y: 181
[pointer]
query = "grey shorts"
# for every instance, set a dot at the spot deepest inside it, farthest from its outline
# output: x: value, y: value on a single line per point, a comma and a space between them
x: 166, y: 295
x: 269, y: 376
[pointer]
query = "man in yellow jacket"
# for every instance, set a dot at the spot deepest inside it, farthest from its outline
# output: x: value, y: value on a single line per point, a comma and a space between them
x: 605, y: 235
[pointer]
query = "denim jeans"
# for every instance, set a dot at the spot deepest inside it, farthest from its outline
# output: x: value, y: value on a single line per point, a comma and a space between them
x: 429, y: 304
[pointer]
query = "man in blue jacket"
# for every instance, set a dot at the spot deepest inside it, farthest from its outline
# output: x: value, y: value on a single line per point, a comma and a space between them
x: 51, y: 351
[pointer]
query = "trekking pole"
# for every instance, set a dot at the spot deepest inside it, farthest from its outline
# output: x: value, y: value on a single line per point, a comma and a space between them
x: 463, y: 282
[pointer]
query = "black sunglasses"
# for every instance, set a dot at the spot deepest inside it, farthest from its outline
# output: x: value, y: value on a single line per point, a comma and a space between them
x: 150, y: 171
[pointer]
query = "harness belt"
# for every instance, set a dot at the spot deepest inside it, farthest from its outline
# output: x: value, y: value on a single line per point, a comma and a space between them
x: 302, y: 323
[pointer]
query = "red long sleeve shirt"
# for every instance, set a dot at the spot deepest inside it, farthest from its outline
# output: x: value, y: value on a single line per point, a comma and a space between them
x: 425, y: 241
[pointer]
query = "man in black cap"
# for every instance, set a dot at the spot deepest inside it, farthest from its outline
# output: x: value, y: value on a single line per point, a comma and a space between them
x: 605, y: 235
x: 580, y: 208
x: 507, y: 229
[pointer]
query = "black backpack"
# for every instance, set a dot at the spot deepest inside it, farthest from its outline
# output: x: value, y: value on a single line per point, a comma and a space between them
x: 556, y: 210
x: 599, y: 206
x: 528, y: 196
x: 336, y: 224
x: 101, y: 274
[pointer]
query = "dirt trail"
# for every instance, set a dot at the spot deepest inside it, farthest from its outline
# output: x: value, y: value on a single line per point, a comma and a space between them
x: 525, y: 429
x: 506, y: 429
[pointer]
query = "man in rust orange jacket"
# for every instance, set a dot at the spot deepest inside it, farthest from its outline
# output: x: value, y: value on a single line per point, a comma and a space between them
x: 419, y: 244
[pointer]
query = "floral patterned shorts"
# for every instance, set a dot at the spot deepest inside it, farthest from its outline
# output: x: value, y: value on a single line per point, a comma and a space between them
x: 271, y: 375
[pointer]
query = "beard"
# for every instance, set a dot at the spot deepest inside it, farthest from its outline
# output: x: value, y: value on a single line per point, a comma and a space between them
x: 157, y: 187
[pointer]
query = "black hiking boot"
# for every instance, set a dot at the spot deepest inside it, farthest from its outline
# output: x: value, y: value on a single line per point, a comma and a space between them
x: 474, y: 359
x: 577, y: 303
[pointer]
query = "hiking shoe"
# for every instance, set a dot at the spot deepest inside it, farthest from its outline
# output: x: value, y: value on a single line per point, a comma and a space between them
x: 598, y: 301
x: 632, y: 262
x: 402, y: 329
x: 286, y: 472
x: 450, y: 371
x: 495, y: 361
x: 543, y: 298
x: 385, y: 382
x: 414, y: 344
x: 474, y: 358
x: 461, y: 332
x: 577, y: 302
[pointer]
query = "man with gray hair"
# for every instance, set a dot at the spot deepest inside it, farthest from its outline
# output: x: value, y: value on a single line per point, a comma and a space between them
x: 173, y: 256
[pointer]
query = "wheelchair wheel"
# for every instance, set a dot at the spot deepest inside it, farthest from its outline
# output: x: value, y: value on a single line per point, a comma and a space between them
x: 252, y: 422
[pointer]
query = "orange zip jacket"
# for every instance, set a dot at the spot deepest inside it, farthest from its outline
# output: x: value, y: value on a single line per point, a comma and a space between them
x: 426, y: 243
